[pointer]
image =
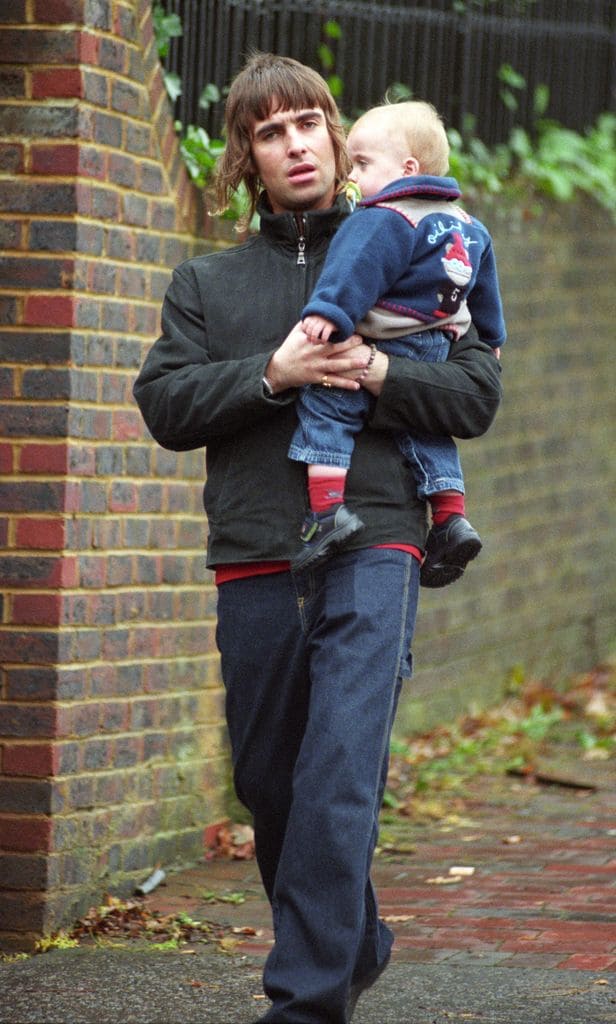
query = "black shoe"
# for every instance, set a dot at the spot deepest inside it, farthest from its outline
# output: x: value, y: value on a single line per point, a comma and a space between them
x: 449, y: 549
x: 323, y: 533
x: 362, y: 985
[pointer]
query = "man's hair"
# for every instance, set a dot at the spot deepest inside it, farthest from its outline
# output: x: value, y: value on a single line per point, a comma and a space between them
x: 265, y: 84
x: 420, y: 126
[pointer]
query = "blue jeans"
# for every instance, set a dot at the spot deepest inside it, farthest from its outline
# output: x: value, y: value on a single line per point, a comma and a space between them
x: 330, y: 418
x: 313, y: 664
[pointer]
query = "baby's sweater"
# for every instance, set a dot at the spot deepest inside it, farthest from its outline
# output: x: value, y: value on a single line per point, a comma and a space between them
x: 409, y: 259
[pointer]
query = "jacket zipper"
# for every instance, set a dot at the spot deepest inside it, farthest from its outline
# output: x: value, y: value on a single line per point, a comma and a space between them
x: 300, y: 223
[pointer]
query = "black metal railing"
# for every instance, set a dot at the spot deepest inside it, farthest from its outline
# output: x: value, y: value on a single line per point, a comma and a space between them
x: 449, y: 57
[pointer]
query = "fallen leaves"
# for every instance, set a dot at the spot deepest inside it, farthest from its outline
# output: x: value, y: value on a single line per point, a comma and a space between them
x: 213, y: 986
x: 457, y: 873
x: 228, y: 944
x: 463, y: 1015
x: 131, y: 919
x: 233, y: 842
x: 442, y: 880
x: 58, y: 940
x: 579, y: 719
x: 226, y: 896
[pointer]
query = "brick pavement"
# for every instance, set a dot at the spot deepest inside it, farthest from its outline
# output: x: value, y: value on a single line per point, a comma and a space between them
x: 542, y: 892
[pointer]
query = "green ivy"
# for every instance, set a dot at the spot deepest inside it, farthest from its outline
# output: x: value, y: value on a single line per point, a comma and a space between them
x: 200, y: 153
x: 332, y: 32
x: 550, y: 161
x: 167, y: 27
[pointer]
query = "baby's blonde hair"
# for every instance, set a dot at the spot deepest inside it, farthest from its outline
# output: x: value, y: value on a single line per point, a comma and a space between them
x: 422, y: 129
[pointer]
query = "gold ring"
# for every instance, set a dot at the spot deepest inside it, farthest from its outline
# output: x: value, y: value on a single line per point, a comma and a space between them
x: 325, y: 382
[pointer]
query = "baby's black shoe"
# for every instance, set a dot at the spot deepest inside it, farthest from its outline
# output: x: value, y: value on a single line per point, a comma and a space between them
x: 323, y: 533
x: 449, y: 549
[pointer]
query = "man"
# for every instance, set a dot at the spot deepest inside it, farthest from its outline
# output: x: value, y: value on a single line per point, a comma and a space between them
x: 312, y: 662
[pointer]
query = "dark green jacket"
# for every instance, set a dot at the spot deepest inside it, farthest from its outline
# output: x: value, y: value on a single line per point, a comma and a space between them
x: 223, y: 316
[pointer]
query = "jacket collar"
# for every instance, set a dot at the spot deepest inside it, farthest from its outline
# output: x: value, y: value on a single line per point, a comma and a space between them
x: 418, y: 186
x: 316, y: 226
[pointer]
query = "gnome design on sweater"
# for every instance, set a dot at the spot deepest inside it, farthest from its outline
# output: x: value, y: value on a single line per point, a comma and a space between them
x: 458, y: 268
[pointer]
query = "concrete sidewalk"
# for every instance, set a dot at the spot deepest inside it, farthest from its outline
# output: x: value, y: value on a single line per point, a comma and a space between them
x: 525, y: 934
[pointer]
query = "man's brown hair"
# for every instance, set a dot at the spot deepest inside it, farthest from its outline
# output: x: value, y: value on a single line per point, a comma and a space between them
x: 265, y: 84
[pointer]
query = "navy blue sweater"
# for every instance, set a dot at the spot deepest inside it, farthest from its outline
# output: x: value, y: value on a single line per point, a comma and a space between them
x: 408, y: 259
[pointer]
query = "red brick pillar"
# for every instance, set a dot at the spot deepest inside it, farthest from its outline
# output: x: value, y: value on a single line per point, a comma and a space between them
x: 111, y: 737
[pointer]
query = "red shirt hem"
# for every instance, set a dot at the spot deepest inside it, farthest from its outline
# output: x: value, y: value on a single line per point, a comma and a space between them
x: 243, y: 570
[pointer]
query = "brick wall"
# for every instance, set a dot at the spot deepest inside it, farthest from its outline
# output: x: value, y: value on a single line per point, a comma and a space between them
x: 111, y: 737
x: 112, y: 751
x: 540, y: 601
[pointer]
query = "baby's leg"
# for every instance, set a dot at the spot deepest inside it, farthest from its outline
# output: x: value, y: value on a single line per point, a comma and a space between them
x: 452, y: 541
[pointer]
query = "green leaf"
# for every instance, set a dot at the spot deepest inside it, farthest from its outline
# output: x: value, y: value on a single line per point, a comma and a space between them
x: 509, y: 76
x: 469, y: 124
x: 209, y: 94
x: 519, y: 143
x: 389, y: 800
x: 332, y: 30
x: 168, y: 946
x: 538, y: 722
x: 336, y: 86
x: 541, y: 100
x: 586, y: 739
x: 166, y: 27
x: 557, y: 183
x: 508, y: 99
x: 326, y: 56
x: 210, y: 896
x: 200, y: 153
x: 173, y: 85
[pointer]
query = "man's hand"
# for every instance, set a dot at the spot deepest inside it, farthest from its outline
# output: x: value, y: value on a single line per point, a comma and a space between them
x: 299, y: 361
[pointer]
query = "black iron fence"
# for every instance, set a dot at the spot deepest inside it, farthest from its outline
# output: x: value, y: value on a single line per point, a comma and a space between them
x: 446, y: 52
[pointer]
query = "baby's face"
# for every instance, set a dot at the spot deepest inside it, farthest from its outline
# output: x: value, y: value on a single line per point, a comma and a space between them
x: 377, y: 156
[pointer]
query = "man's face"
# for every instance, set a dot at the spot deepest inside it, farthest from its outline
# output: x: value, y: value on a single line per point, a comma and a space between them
x: 294, y: 157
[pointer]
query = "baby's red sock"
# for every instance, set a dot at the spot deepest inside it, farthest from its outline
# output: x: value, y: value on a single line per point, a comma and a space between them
x: 445, y: 505
x: 325, y: 491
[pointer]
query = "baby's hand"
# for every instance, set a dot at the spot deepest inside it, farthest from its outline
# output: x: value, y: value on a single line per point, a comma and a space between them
x: 318, y: 329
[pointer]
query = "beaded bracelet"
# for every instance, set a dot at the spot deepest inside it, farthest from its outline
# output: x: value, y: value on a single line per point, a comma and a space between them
x: 364, y: 372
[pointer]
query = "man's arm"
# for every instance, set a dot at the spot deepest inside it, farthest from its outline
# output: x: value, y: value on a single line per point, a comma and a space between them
x: 458, y: 398
x: 187, y: 398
